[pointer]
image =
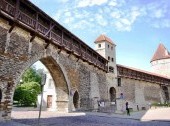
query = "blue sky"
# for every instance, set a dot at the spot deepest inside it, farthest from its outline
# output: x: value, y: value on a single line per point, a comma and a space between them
x: 136, y: 26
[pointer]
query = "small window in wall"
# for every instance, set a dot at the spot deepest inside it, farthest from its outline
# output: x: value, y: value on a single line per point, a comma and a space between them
x: 50, y: 83
x: 112, y: 59
x: 111, y: 69
x: 119, y: 82
x: 108, y: 57
x: 112, y: 48
x: 99, y: 45
x: 108, y: 46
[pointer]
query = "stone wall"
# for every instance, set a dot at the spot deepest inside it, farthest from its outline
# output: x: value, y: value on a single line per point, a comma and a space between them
x: 140, y: 93
x: 17, y: 54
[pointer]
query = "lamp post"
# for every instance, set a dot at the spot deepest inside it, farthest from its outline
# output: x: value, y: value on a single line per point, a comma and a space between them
x: 43, y: 80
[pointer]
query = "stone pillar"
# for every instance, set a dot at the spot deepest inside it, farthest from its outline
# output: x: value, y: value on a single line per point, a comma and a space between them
x: 62, y: 106
x: 6, y: 103
x: 120, y: 106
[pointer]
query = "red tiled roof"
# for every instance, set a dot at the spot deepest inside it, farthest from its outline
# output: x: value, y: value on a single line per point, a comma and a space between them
x: 143, y: 71
x: 161, y: 53
x: 104, y: 38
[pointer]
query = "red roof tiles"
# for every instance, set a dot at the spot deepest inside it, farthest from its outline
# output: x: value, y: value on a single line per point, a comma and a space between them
x: 161, y: 53
x: 104, y: 38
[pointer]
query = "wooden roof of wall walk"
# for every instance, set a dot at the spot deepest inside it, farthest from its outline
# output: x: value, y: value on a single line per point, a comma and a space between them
x: 133, y: 73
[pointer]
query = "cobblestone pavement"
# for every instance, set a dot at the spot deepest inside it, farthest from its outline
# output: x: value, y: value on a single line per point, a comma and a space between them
x: 29, y: 118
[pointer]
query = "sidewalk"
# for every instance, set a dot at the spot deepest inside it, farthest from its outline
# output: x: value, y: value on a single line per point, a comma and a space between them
x: 160, y: 114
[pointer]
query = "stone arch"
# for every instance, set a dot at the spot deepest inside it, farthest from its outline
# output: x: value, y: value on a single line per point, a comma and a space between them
x: 59, y: 76
x: 112, y: 92
x: 76, y: 99
x: 166, y: 93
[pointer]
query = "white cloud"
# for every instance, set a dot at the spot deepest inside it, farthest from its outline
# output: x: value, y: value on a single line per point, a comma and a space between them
x: 112, y: 13
x: 135, y: 12
x: 159, y: 13
x: 115, y: 14
x: 165, y: 23
x: 113, y: 3
x: 86, y: 3
x: 156, y: 10
x: 64, y: 1
x: 82, y: 24
x: 125, y: 19
x: 100, y: 20
x: 122, y: 27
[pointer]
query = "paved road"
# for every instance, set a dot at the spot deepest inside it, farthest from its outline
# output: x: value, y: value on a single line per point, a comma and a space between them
x: 29, y: 118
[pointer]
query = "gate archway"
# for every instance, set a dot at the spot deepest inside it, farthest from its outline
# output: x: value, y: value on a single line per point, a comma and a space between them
x: 60, y: 81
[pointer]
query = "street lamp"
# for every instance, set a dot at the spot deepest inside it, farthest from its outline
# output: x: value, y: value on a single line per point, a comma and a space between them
x: 43, y: 80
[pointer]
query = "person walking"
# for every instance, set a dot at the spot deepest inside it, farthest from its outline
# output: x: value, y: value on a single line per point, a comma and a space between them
x: 127, y: 109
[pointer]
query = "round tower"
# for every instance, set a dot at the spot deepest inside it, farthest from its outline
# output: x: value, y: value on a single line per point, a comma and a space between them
x: 107, y: 48
x: 161, y: 61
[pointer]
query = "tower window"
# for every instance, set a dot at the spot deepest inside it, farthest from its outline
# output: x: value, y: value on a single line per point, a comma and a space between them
x: 108, y: 57
x: 108, y: 46
x: 112, y: 59
x: 119, y: 82
x: 112, y: 48
x: 111, y: 69
x: 99, y: 45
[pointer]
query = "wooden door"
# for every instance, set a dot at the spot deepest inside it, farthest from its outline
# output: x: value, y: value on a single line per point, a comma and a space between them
x: 49, y: 101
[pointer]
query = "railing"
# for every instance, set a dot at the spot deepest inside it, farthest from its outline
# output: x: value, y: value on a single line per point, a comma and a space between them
x: 36, y: 26
x: 67, y: 44
x: 56, y: 38
x: 8, y: 8
x: 139, y: 75
x: 26, y: 19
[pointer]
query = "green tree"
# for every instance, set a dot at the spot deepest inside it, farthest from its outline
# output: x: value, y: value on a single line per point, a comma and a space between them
x: 26, y: 92
x: 31, y: 75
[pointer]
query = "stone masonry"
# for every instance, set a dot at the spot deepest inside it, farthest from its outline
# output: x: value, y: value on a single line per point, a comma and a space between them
x: 17, y: 54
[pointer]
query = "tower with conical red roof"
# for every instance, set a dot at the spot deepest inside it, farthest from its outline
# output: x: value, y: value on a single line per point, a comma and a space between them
x: 161, y: 61
x: 106, y: 47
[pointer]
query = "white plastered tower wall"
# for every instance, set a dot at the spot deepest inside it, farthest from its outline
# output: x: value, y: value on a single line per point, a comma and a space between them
x: 160, y: 62
x: 161, y: 66
x: 107, y: 48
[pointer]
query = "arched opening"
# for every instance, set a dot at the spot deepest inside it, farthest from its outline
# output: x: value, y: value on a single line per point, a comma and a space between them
x: 0, y: 95
x: 112, y: 94
x: 59, y: 82
x: 76, y: 100
x: 166, y: 93
x: 55, y: 92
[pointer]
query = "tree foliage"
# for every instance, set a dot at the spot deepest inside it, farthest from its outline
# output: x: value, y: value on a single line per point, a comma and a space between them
x: 26, y: 93
x: 31, y: 75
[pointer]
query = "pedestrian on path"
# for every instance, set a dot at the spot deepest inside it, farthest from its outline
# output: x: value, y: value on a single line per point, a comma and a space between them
x: 127, y: 109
